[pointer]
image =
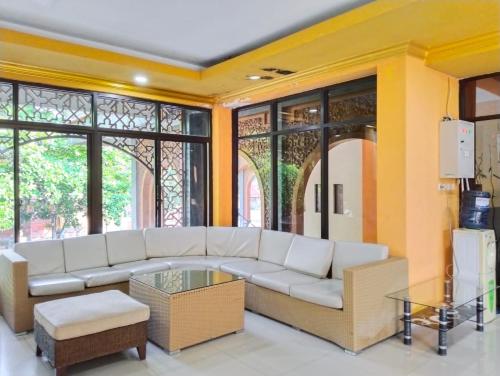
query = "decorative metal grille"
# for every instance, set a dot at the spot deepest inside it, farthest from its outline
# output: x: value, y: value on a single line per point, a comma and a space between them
x: 352, y: 106
x: 6, y: 96
x: 126, y: 114
x: 258, y: 151
x: 54, y: 106
x: 172, y: 183
x: 171, y: 119
x: 143, y: 150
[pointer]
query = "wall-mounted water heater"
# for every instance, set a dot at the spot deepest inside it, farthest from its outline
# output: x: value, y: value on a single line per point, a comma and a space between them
x: 456, y: 152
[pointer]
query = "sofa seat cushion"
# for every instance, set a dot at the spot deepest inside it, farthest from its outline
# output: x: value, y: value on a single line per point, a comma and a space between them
x: 274, y: 246
x: 246, y: 268
x: 102, y: 276
x: 44, y: 256
x: 233, y: 241
x: 176, y: 241
x: 142, y: 267
x: 85, y: 252
x: 282, y: 281
x: 327, y: 292
x: 349, y: 254
x: 310, y: 256
x: 125, y: 246
x: 52, y: 284
x: 89, y: 314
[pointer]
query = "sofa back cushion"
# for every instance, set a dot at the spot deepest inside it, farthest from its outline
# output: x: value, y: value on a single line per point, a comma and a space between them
x: 44, y: 257
x: 349, y: 254
x: 233, y: 241
x: 85, y: 252
x: 176, y: 241
x: 274, y: 246
x: 125, y: 246
x: 310, y: 256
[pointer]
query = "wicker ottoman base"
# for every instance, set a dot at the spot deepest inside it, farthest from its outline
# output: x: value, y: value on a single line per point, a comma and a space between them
x: 62, y: 354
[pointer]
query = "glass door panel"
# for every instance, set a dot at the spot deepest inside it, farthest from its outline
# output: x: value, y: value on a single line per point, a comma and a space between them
x: 52, y: 185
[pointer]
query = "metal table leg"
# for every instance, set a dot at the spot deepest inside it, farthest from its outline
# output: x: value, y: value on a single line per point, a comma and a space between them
x: 479, y: 314
x: 407, y: 322
x: 443, y: 329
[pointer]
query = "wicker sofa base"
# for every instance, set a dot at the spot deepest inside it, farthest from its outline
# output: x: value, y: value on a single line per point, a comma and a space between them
x: 62, y: 354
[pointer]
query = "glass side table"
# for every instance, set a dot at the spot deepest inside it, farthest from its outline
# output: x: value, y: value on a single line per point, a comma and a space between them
x: 446, y: 302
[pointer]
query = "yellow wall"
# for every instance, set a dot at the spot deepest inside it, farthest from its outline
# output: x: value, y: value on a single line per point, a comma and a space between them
x: 412, y: 215
x: 427, y: 213
x: 222, y: 166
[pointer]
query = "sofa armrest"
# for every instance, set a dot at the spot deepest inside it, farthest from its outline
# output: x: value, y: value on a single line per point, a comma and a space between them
x: 373, y: 316
x: 13, y: 286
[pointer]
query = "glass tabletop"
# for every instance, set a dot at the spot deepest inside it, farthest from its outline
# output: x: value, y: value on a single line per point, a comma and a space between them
x: 177, y: 281
x: 450, y: 292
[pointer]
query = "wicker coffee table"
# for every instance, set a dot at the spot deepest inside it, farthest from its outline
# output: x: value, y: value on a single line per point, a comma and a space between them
x: 190, y: 306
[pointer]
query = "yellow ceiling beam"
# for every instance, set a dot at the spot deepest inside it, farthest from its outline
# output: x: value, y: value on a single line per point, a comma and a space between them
x: 45, y: 76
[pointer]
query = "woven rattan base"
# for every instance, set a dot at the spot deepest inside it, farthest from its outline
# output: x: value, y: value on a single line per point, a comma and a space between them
x: 62, y: 354
x: 181, y: 320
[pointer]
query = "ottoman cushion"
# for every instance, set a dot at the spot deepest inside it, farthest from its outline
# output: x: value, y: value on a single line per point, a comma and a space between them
x: 88, y: 314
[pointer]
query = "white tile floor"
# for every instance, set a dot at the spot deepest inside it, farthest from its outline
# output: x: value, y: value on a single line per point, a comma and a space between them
x: 267, y: 347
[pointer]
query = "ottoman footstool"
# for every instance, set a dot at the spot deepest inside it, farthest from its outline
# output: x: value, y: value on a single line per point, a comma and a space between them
x: 80, y: 328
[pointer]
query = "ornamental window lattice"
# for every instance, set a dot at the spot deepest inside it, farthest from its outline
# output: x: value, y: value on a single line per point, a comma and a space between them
x: 44, y: 105
x: 126, y: 114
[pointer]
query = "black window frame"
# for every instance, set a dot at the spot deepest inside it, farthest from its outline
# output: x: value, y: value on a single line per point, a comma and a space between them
x: 94, y: 135
x: 363, y: 128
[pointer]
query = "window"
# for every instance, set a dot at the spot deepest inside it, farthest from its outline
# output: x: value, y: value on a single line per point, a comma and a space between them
x: 128, y: 186
x: 6, y: 101
x: 43, y: 105
x: 52, y: 185
x: 301, y: 111
x: 254, y: 165
x: 6, y: 188
x: 183, y: 181
x: 125, y: 114
x: 176, y: 120
x: 292, y: 151
x: 93, y: 162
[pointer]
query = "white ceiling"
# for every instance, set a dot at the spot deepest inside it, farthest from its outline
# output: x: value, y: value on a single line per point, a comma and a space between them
x: 189, y: 33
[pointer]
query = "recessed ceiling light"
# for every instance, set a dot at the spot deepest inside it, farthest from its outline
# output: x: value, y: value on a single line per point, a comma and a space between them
x: 140, y: 79
x: 313, y: 110
x: 254, y: 77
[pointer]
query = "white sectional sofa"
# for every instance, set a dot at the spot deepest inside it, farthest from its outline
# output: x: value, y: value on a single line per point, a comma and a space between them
x: 287, y: 276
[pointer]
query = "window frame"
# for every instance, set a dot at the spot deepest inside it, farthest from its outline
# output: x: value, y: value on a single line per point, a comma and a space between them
x: 362, y: 127
x: 94, y: 135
